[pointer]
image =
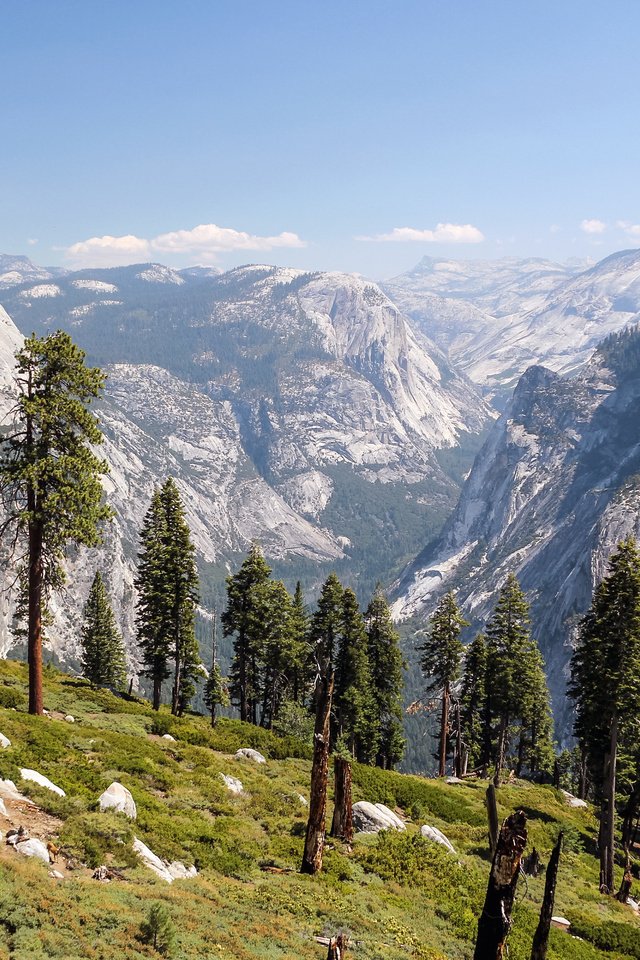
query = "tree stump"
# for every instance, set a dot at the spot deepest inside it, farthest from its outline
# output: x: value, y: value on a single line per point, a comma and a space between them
x: 338, y: 947
x: 531, y: 864
x: 342, y: 823
x: 541, y: 936
x: 495, y: 920
x: 314, y: 841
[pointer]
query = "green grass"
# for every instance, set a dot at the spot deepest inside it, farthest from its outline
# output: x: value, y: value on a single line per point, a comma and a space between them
x: 398, y: 895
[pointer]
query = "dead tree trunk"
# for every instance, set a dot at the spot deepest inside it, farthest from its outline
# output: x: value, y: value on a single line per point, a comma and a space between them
x: 314, y: 841
x: 495, y: 920
x: 342, y: 823
x: 338, y: 947
x: 625, y: 887
x: 541, y: 936
x: 608, y: 813
x: 492, y: 815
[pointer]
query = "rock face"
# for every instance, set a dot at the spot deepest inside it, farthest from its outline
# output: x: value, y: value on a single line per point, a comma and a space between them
x: 119, y: 799
x: 9, y: 791
x: 232, y: 783
x: 246, y: 753
x: 553, y: 491
x: 33, y: 848
x: 166, y: 871
x: 574, y: 801
x: 41, y: 780
x: 436, y: 836
x: 374, y: 817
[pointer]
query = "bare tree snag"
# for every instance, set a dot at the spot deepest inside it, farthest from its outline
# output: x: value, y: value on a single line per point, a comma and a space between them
x: 541, y: 936
x: 314, y: 841
x: 492, y: 814
x: 531, y: 864
x: 625, y: 887
x: 342, y: 823
x: 495, y: 920
x: 338, y: 947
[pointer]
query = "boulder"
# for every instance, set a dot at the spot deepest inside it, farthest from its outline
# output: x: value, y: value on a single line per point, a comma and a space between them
x: 246, y: 753
x: 9, y: 791
x: 574, y: 801
x: 167, y: 736
x: 151, y: 861
x: 303, y: 800
x: 452, y: 781
x: 232, y: 783
x: 436, y: 836
x: 4, y: 742
x: 56, y: 875
x: 70, y: 719
x: 33, y: 848
x: 118, y: 798
x: 178, y: 871
x: 17, y: 836
x: 373, y: 817
x: 3, y: 809
x: 41, y: 780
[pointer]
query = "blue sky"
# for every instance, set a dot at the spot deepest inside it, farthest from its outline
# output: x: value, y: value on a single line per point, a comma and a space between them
x: 288, y: 131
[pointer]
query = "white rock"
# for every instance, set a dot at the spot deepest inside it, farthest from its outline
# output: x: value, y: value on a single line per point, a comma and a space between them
x: 453, y: 780
x: 41, y: 780
x: 70, y: 719
x: 33, y: 848
x: 167, y: 736
x: 9, y: 791
x: 151, y: 861
x: 232, y: 783
x: 437, y: 836
x: 56, y: 875
x: 303, y: 800
x: 118, y: 798
x: 245, y: 753
x: 561, y: 923
x: 3, y: 809
x: 373, y: 817
x: 574, y: 801
x: 4, y: 741
x: 178, y: 871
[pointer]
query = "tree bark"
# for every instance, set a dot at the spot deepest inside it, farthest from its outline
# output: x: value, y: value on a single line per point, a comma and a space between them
x: 314, y: 841
x: 459, y: 759
x: 157, y: 691
x: 502, y: 743
x: 608, y: 813
x: 342, y: 823
x: 338, y: 947
x: 495, y: 920
x: 444, y: 731
x: 541, y: 936
x: 625, y: 887
x: 36, y: 577
x: 492, y: 814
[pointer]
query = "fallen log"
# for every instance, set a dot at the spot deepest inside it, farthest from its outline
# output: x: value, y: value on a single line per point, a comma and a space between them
x: 495, y: 920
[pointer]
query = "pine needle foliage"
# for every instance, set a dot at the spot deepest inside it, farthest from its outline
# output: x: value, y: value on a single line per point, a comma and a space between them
x: 103, y: 655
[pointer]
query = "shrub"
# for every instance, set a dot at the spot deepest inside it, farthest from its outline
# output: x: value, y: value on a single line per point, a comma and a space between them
x: 10, y: 697
x: 158, y: 930
x: 608, y: 935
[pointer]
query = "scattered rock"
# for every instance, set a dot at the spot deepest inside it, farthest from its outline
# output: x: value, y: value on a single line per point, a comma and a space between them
x: 118, y: 798
x: 103, y: 874
x: 574, y: 801
x: 232, y: 783
x: 166, y: 871
x: 41, y: 780
x: 437, y: 836
x: 246, y: 753
x: 3, y: 809
x: 17, y: 836
x: 56, y: 875
x: 453, y: 780
x: 33, y: 848
x: 561, y: 923
x: 167, y: 736
x: 178, y: 871
x: 303, y: 800
x: 9, y: 791
x: 70, y: 719
x: 373, y: 817
x: 4, y: 741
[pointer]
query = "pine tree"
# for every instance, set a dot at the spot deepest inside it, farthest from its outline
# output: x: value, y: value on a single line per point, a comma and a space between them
x: 216, y: 692
x: 167, y: 583
x: 535, y: 746
x: 441, y: 661
x: 49, y: 476
x: 103, y: 656
x: 274, y: 610
x: 387, y: 681
x: 357, y: 721
x: 473, y: 702
x: 241, y: 621
x: 605, y: 684
x: 326, y: 624
x: 303, y: 670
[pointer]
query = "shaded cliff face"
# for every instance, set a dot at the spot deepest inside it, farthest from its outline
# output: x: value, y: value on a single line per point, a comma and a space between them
x: 552, y: 492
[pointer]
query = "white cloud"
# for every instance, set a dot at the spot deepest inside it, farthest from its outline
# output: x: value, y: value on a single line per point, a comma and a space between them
x: 32, y: 241
x: 206, y: 240
x: 631, y: 229
x: 443, y: 233
x: 593, y: 226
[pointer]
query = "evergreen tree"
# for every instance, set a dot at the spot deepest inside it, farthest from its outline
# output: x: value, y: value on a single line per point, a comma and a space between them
x: 278, y: 654
x: 357, y: 721
x: 241, y: 620
x: 103, y: 656
x: 535, y: 745
x: 167, y: 582
x: 387, y: 681
x: 473, y: 702
x: 441, y: 660
x: 216, y: 693
x: 605, y: 684
x: 303, y: 668
x: 326, y: 624
x: 49, y: 476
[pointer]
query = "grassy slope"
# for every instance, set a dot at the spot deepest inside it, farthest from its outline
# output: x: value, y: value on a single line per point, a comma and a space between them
x: 397, y: 894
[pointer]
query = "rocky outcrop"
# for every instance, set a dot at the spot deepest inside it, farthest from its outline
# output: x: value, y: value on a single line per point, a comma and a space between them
x: 119, y: 799
x: 246, y: 753
x: 436, y: 836
x: 34, y: 777
x: 374, y: 817
x: 232, y: 784
x: 33, y: 848
x: 162, y: 868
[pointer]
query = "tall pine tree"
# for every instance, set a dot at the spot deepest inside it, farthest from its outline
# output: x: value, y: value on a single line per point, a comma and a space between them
x: 441, y: 661
x: 387, y: 680
x: 473, y: 704
x: 103, y: 656
x: 326, y: 625
x: 357, y: 720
